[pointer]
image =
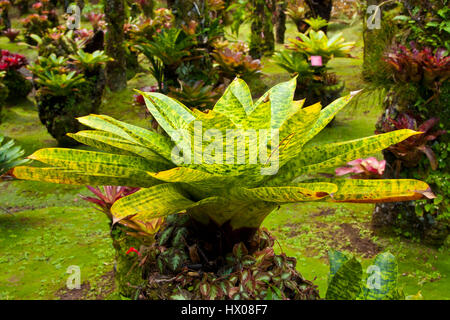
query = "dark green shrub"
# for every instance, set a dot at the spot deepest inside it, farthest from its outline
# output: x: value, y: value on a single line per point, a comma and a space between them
x: 248, y: 272
x: 19, y: 87
x: 35, y: 24
x: 3, y: 91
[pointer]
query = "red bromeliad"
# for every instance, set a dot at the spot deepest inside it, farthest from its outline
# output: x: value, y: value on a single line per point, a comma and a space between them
x: 83, y: 34
x: 96, y: 20
x: 11, y: 61
x: 410, y: 151
x: 139, y: 99
x: 418, y: 65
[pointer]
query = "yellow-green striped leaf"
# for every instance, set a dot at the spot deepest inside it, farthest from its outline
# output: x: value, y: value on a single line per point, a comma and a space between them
x: 98, y: 162
x: 281, y: 97
x: 64, y: 176
x: 316, y: 158
x: 109, y: 142
x: 298, y: 193
x: 137, y: 135
x: 327, y: 114
x: 150, y: 203
x: 373, y: 191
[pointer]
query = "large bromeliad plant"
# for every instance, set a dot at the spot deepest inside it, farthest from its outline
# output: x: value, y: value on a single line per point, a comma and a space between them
x: 221, y: 203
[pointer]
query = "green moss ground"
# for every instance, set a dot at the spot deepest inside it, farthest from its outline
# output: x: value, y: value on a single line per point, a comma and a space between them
x: 45, y: 228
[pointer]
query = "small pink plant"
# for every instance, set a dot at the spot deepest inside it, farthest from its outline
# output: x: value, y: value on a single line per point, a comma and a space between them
x: 106, y: 197
x: 38, y: 6
x: 363, y: 168
x: 11, y: 61
x: 83, y: 33
x: 105, y: 200
x: 96, y: 20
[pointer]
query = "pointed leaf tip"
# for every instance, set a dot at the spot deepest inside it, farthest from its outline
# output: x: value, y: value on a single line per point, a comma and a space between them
x: 354, y: 93
x: 428, y: 193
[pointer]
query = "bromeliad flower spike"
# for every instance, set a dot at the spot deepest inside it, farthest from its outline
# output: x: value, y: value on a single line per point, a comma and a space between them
x: 234, y: 197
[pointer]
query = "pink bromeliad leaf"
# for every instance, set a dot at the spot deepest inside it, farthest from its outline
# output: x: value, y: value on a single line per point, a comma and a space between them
x: 363, y: 168
x: 106, y: 198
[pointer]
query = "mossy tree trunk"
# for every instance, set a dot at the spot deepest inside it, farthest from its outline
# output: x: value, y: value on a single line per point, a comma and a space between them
x: 116, y: 71
x: 23, y: 7
x: 262, y: 41
x: 5, y: 18
x: 127, y: 273
x: 280, y: 22
x: 80, y: 4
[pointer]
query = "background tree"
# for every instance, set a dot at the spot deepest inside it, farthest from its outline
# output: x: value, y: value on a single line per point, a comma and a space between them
x: 116, y: 75
x: 280, y: 20
x: 4, y: 16
x: 262, y: 40
x: 80, y: 4
x: 321, y: 8
x: 23, y: 6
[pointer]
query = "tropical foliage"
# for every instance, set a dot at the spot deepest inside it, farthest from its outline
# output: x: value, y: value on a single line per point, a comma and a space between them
x: 10, y: 155
x: 346, y: 280
x: 317, y: 23
x: 35, y: 24
x: 188, y: 195
x: 217, y: 193
x: 410, y: 151
x: 420, y: 66
x: 88, y: 62
x: 316, y: 43
x: 314, y: 82
x: 235, y: 61
x: 197, y: 95
x: 244, y: 275
x: 408, y: 58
